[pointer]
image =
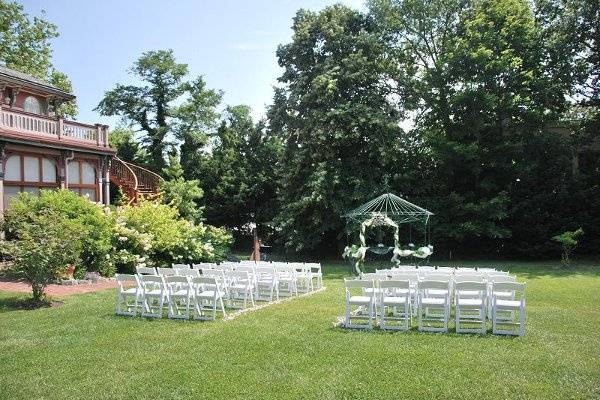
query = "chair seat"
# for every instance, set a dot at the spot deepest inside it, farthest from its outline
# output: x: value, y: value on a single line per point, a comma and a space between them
x: 504, y: 294
x: 362, y: 300
x: 509, y: 304
x: 207, y: 294
x: 437, y: 292
x: 470, y: 302
x: 469, y: 293
x: 433, y: 301
x: 394, y: 300
x: 153, y: 292
x: 129, y: 291
x: 239, y: 287
x: 180, y: 293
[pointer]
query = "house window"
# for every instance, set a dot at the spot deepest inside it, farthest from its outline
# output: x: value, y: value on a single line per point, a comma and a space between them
x: 28, y: 173
x: 82, y: 178
x: 33, y: 105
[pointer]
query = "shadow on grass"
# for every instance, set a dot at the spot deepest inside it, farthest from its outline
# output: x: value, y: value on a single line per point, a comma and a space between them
x: 23, y: 302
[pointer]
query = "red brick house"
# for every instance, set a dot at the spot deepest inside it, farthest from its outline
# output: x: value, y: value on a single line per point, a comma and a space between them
x: 39, y: 150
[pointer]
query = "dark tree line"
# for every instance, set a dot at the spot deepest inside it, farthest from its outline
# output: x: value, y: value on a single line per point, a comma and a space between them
x: 484, y: 112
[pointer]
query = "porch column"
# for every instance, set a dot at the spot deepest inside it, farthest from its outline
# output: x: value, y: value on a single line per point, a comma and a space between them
x: 2, y: 159
x: 106, y: 181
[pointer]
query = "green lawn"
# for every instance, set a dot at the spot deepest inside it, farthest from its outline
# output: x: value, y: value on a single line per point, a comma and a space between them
x: 291, y: 350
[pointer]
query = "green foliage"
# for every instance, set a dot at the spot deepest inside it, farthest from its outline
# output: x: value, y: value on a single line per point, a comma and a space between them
x: 94, y: 225
x: 237, y: 175
x: 338, y: 120
x: 180, y: 193
x: 152, y: 107
x: 25, y: 46
x: 568, y: 241
x: 43, y: 247
x: 152, y: 233
x: 128, y: 149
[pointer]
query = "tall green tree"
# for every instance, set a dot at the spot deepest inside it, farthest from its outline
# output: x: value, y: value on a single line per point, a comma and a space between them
x: 165, y: 107
x: 25, y: 45
x: 238, y: 172
x: 336, y: 112
x: 477, y: 77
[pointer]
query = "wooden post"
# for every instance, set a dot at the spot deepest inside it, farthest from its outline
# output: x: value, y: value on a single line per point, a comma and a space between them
x: 59, y: 127
x: 256, y: 247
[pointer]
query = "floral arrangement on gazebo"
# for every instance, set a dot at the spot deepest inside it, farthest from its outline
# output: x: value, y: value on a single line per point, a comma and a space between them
x: 391, y: 211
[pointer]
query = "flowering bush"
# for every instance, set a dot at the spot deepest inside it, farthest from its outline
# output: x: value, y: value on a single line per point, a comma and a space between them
x: 151, y: 233
x: 93, y: 222
x: 43, y: 248
x: 120, y: 239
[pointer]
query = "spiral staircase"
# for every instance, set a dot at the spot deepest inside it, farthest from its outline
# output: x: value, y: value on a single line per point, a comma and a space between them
x: 135, y: 181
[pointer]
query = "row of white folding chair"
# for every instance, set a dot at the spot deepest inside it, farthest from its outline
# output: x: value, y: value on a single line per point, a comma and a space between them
x: 181, y: 295
x: 434, y: 304
x: 394, y: 294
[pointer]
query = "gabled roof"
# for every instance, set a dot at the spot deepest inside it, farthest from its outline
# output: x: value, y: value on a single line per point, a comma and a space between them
x: 392, y: 206
x: 18, y: 78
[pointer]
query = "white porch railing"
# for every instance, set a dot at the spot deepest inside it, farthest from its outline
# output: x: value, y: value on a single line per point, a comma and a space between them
x: 42, y: 126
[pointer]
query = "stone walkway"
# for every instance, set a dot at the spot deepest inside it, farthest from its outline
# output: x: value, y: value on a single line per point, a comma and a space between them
x: 58, y: 290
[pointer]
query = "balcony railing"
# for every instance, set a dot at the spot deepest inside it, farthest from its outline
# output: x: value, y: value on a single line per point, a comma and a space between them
x: 54, y: 128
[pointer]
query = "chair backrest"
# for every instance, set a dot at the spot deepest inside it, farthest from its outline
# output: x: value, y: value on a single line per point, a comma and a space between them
x: 470, y: 286
x: 469, y: 278
x: 445, y: 269
x: 204, y: 280
x: 356, y: 283
x: 438, y: 276
x: 517, y: 289
x: 145, y: 270
x: 187, y: 272
x: 433, y: 284
x: 126, y: 280
x: 174, y: 283
x: 166, y: 271
x: 394, y: 284
x: 494, y: 278
x: 151, y: 282
x: 181, y: 266
x: 204, y: 265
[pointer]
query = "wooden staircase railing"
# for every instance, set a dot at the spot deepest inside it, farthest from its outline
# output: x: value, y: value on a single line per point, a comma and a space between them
x: 134, y: 180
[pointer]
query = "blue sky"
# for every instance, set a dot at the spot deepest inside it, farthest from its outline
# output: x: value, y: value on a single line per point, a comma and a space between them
x: 231, y: 43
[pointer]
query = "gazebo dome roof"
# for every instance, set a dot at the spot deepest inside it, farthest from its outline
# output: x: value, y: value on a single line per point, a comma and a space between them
x: 396, y: 208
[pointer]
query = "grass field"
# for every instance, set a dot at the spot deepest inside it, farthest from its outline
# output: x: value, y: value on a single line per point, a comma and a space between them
x: 81, y: 350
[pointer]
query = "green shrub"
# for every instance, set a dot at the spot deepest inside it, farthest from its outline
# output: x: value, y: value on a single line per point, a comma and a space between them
x: 94, y: 223
x: 152, y: 233
x: 43, y: 247
x: 569, y: 242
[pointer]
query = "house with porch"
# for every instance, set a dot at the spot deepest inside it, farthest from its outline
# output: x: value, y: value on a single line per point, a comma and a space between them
x: 41, y: 150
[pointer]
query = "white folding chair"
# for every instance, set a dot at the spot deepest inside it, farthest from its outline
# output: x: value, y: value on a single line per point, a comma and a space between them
x: 127, y: 290
x: 470, y: 308
x: 153, y: 295
x: 506, y: 295
x: 315, y: 274
x: 395, y: 294
x: 504, y: 310
x: 187, y: 272
x: 433, y: 308
x: 303, y: 277
x: 365, y: 303
x: 145, y: 270
x: 206, y: 297
x: 286, y: 281
x: 166, y: 271
x: 241, y: 289
x: 266, y: 284
x: 220, y: 278
x: 178, y: 296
